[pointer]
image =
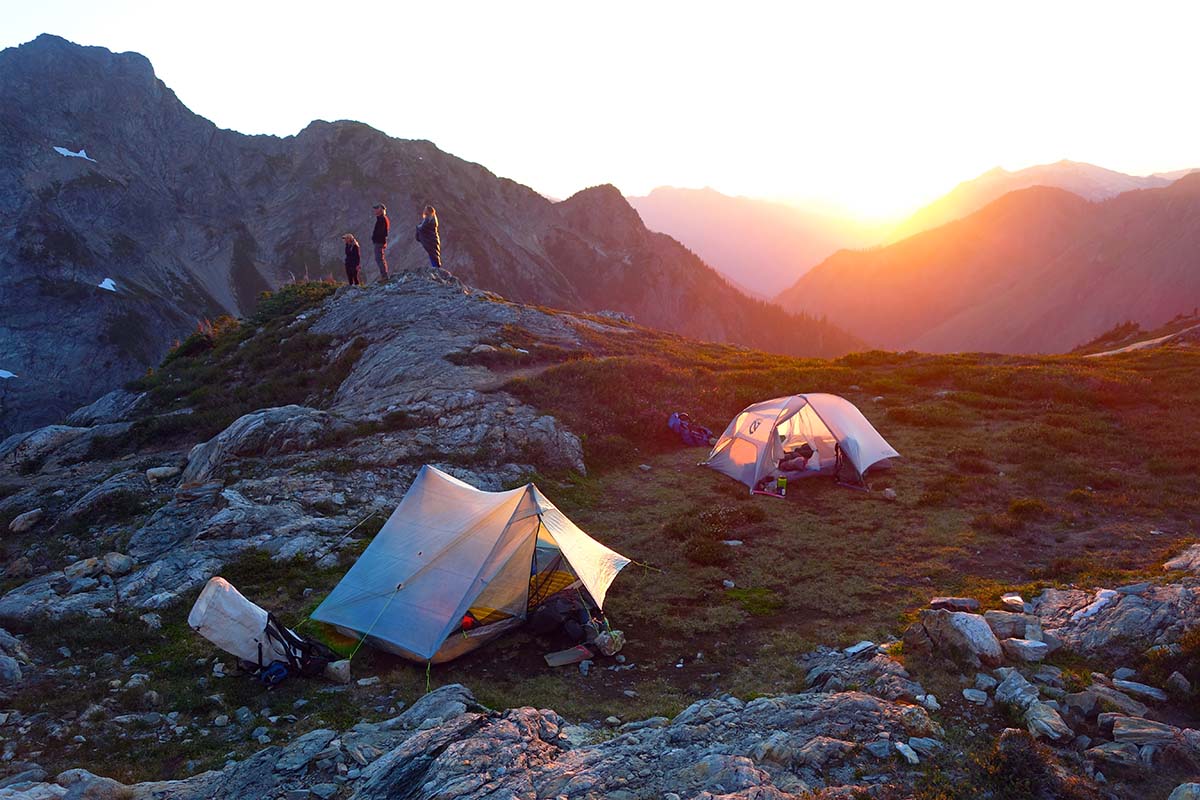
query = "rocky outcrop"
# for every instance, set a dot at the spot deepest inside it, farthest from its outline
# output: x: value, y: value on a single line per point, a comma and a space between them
x: 54, y: 445
x: 862, y: 665
x: 271, y: 431
x: 15, y: 664
x: 118, y: 405
x: 124, y: 488
x: 1117, y: 623
x: 446, y: 745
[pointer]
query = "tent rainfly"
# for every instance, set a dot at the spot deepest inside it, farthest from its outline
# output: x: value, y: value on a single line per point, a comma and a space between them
x: 751, y: 447
x: 449, y: 550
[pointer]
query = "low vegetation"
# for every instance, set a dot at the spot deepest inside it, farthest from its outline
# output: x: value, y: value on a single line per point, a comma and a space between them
x: 230, y: 367
x: 1018, y: 473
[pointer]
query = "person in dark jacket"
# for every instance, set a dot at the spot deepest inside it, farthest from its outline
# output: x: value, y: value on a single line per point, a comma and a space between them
x: 427, y: 235
x: 353, y: 259
x: 379, y: 238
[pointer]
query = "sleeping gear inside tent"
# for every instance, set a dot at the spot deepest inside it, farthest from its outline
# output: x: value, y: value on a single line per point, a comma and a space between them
x: 455, y: 567
x: 758, y: 439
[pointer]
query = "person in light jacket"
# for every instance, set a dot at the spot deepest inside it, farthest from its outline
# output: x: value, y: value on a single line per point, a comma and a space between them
x: 353, y: 259
x: 427, y: 235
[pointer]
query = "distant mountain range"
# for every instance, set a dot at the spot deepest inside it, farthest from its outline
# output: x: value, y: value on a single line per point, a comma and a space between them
x: 761, y: 246
x: 125, y: 219
x: 1086, y: 180
x: 1037, y: 270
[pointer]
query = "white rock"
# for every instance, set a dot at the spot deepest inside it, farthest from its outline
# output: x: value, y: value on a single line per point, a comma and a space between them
x: 862, y: 646
x: 24, y: 522
x: 909, y: 754
x: 1024, y: 649
x: 161, y: 473
x: 1013, y: 602
x: 1186, y: 791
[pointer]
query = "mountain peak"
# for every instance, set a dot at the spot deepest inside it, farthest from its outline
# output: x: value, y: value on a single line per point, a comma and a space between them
x: 51, y: 52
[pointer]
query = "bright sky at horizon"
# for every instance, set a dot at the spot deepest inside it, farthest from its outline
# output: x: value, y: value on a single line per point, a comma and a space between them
x: 875, y: 108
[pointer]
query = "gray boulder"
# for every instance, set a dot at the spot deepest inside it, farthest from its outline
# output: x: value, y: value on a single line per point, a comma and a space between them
x: 116, y: 406
x: 1014, y: 690
x: 25, y: 452
x: 129, y: 488
x: 1024, y: 650
x: 1044, y: 722
x: 270, y: 431
x: 1140, y: 731
x: 957, y: 635
x: 1141, y: 690
x: 25, y: 522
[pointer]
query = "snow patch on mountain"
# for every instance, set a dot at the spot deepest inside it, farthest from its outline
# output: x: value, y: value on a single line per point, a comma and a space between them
x: 62, y: 151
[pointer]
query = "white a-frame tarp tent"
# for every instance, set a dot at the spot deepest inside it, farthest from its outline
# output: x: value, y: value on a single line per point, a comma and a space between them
x: 449, y: 549
x: 751, y: 447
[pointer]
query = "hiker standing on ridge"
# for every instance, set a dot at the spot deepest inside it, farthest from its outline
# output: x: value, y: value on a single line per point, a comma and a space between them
x: 379, y: 239
x: 427, y: 235
x: 353, y: 259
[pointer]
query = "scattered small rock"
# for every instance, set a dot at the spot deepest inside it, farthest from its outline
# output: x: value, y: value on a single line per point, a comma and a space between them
x: 909, y: 754
x: 1179, y: 684
x: 338, y: 671
x: 1013, y: 602
x: 969, y: 604
x: 162, y: 473
x: 975, y: 696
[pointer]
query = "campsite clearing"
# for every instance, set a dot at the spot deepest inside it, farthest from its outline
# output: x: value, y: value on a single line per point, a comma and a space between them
x: 1017, y: 473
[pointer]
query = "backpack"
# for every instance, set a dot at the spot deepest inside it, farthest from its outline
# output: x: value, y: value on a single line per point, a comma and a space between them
x: 305, y: 656
x: 690, y: 433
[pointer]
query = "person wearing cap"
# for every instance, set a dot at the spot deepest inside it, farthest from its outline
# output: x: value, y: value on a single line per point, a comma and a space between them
x: 353, y: 259
x: 379, y: 239
x: 427, y: 236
